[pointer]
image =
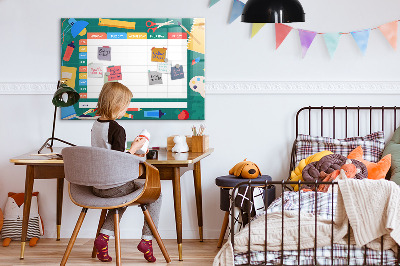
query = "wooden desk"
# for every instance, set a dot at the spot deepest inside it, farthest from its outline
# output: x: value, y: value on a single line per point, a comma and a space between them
x: 168, y: 164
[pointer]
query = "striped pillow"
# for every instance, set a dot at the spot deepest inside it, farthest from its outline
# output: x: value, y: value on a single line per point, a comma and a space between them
x: 372, y: 145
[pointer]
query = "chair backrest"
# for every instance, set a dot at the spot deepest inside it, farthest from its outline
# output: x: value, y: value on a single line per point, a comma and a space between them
x: 92, y: 166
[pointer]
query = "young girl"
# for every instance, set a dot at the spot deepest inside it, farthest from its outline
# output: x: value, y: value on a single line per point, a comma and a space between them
x: 106, y: 133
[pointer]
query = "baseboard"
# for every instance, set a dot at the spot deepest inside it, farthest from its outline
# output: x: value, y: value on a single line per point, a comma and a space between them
x: 250, y: 87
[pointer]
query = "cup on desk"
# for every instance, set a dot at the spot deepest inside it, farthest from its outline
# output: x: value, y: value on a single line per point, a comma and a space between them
x: 152, y: 155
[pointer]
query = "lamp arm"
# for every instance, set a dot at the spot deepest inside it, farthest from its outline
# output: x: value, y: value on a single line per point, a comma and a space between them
x: 46, y: 143
x: 54, y: 126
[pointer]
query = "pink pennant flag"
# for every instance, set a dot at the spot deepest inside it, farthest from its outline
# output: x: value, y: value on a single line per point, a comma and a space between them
x: 281, y: 31
x: 389, y: 30
x: 306, y: 39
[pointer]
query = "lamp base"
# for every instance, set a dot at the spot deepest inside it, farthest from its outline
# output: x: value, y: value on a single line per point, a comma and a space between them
x: 50, y: 146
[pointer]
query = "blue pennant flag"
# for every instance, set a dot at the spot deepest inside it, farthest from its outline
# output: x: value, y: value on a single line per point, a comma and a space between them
x: 361, y: 38
x: 332, y: 41
x: 237, y: 9
x: 213, y: 2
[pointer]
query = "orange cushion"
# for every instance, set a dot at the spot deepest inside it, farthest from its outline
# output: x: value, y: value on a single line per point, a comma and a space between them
x: 375, y: 170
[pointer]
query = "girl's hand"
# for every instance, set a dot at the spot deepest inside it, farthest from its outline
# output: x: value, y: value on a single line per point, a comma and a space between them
x: 142, y: 155
x: 137, y: 144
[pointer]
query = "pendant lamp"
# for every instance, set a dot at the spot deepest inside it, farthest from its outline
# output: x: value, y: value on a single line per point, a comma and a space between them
x: 273, y: 11
x: 63, y: 97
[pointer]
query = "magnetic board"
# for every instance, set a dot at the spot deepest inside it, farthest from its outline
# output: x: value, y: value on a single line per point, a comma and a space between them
x: 161, y: 60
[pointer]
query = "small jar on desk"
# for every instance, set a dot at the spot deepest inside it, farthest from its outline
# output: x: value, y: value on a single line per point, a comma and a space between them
x: 226, y: 183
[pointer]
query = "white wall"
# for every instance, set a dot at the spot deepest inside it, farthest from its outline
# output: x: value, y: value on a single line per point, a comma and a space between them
x: 259, y: 127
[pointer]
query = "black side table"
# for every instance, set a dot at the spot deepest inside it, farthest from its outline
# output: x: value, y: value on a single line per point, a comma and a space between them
x: 226, y: 183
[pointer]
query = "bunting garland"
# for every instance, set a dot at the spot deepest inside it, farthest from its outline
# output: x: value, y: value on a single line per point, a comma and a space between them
x: 332, y: 41
x: 389, y: 30
x: 306, y: 39
x: 213, y: 2
x: 281, y: 31
x: 256, y: 27
x: 237, y: 8
x: 361, y: 37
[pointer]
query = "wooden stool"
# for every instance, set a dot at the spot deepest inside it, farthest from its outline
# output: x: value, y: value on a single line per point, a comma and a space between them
x: 226, y: 183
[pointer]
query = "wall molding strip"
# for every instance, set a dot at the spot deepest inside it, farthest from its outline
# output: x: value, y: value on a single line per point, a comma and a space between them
x: 251, y: 87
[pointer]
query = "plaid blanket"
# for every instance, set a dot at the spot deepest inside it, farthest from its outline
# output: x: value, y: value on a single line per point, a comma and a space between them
x: 340, y: 254
x: 323, y: 205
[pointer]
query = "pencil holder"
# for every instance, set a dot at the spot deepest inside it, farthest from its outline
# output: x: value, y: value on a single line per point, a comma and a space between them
x: 200, y: 143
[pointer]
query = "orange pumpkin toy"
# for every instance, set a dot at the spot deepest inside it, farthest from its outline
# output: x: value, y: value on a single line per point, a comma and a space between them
x: 245, y: 169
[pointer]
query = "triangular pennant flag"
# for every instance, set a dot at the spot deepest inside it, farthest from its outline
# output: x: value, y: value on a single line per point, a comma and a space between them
x: 389, y: 30
x: 213, y: 2
x: 361, y: 37
x: 332, y: 41
x: 281, y: 31
x: 306, y: 39
x: 256, y: 27
x: 237, y: 9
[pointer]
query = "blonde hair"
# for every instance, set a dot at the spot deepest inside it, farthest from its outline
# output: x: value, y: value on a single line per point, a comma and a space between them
x: 113, y: 98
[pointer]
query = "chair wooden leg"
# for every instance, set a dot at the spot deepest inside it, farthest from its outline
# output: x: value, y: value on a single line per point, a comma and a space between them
x: 117, y: 239
x: 73, y: 237
x: 154, y: 230
x: 101, y: 222
x: 223, y: 229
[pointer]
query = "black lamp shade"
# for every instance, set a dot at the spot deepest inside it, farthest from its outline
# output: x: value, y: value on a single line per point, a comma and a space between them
x: 71, y: 99
x: 273, y: 11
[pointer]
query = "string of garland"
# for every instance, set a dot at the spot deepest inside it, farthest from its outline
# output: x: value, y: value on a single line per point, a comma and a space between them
x: 361, y: 37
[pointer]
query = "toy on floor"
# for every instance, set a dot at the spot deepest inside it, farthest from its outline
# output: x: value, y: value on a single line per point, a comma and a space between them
x: 13, y: 215
x: 245, y: 169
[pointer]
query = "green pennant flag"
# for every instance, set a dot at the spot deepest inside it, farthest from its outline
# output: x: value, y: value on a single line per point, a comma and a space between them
x: 256, y: 27
x: 213, y: 2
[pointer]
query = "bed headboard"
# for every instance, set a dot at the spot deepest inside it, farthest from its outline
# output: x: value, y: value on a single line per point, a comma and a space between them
x: 344, y: 121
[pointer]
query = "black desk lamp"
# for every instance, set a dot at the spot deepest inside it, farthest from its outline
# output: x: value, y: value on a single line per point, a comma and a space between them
x: 64, y: 96
x: 273, y: 11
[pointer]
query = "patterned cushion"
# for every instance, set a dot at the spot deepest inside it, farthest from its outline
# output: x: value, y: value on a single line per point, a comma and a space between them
x: 372, y: 144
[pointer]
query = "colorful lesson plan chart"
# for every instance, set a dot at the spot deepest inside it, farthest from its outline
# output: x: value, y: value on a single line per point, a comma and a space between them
x: 160, y: 60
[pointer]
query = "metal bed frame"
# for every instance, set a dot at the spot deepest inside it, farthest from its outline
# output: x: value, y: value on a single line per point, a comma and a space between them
x: 283, y: 184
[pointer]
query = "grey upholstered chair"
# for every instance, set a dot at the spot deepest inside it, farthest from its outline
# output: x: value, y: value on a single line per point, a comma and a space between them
x: 85, y: 167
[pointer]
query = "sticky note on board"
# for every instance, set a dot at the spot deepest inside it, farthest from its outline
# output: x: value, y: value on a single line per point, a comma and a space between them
x: 68, y: 74
x: 104, y: 53
x: 164, y: 67
x: 158, y: 54
x: 177, y: 72
x: 155, y: 78
x: 115, y: 73
x: 95, y: 70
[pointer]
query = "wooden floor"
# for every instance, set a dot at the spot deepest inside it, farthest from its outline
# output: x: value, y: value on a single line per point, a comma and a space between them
x: 50, y: 252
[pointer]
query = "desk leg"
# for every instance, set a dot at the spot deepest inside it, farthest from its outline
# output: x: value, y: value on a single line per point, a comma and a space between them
x: 176, y: 182
x: 199, y: 204
x: 60, y: 190
x: 27, y: 206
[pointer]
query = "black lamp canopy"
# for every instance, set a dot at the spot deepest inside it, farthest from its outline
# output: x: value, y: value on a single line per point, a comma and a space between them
x: 65, y: 96
x: 273, y: 11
